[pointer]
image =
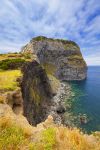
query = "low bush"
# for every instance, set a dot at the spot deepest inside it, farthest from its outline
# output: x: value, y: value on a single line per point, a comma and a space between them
x: 11, y: 63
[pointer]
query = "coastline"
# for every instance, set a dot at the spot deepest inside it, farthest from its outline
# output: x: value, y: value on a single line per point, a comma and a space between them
x: 58, y: 106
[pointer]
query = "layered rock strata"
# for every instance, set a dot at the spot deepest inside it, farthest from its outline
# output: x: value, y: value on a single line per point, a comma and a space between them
x: 62, y: 56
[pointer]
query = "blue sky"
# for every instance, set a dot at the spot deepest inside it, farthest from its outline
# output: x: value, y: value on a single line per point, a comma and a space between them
x: 77, y: 20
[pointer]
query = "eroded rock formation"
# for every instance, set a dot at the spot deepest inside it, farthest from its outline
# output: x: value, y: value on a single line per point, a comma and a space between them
x: 36, y: 91
x: 63, y: 57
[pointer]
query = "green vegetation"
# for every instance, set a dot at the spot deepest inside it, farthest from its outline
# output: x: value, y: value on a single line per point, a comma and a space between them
x: 76, y: 61
x: 11, y: 138
x: 50, y: 68
x: 49, y: 138
x: 54, y: 82
x: 11, y: 63
x: 8, y: 79
x: 64, y: 41
x: 46, y: 136
x: 11, y: 56
x: 40, y: 38
x: 70, y: 44
x: 27, y: 56
x: 63, y: 138
x: 76, y: 57
x: 34, y: 94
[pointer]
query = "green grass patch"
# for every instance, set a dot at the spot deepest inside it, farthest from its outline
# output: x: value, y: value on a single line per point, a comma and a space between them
x: 11, y: 63
x: 47, y: 142
x: 11, y: 138
x: 8, y: 79
x: 49, y: 68
x: 49, y: 138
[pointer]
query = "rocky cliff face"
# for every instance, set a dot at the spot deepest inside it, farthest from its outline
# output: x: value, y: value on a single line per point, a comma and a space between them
x: 56, y: 61
x: 63, y: 57
x: 36, y: 92
x: 43, y: 95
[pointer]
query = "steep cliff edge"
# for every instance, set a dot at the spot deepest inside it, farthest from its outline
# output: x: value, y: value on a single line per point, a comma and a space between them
x: 61, y: 57
x: 56, y: 61
x: 43, y: 95
x: 36, y: 92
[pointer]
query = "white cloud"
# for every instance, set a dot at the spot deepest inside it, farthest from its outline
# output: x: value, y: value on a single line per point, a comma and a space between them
x: 93, y: 59
x: 71, y: 19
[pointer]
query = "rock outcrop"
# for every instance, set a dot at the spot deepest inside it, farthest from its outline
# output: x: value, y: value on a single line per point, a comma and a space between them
x: 43, y: 95
x: 63, y: 57
x: 36, y: 92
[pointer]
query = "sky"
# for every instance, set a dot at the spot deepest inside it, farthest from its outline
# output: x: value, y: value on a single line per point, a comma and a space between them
x: 77, y: 20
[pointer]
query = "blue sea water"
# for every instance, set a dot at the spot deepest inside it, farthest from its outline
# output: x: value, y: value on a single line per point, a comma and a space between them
x: 87, y: 100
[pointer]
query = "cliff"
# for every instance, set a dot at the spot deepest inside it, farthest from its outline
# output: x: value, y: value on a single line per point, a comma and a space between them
x: 36, y: 92
x: 43, y: 87
x: 61, y: 58
x: 42, y: 94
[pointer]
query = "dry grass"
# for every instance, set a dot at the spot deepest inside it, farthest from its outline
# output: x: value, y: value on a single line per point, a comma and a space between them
x: 10, y: 56
x: 12, y: 137
x: 2, y: 98
x: 46, y: 136
x: 8, y: 79
x: 26, y: 56
x: 61, y: 138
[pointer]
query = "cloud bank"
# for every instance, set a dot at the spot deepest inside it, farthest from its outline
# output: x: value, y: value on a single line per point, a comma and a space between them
x: 77, y: 20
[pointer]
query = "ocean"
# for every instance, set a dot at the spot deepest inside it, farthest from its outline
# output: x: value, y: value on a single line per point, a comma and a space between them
x: 86, y: 101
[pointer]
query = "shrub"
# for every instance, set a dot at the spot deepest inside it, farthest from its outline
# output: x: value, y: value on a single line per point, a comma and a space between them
x: 11, y: 63
x: 40, y: 38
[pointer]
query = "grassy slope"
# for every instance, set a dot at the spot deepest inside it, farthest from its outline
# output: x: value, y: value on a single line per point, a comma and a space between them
x: 46, y: 136
x: 8, y: 79
x: 14, y: 56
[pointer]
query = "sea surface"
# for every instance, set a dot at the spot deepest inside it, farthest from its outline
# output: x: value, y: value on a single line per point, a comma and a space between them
x: 86, y: 101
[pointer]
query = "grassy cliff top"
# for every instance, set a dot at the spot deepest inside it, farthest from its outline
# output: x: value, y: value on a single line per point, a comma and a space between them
x: 64, y: 41
x: 25, y: 56
x: 8, y: 79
